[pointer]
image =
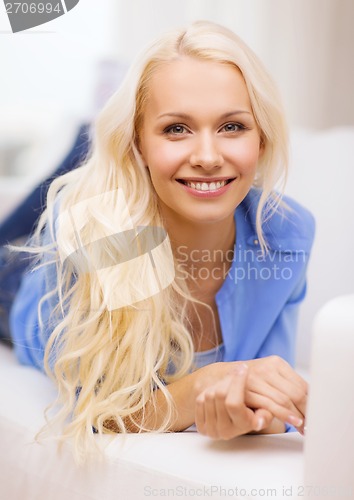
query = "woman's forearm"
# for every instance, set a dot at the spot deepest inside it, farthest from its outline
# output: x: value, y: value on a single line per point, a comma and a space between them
x: 184, y: 393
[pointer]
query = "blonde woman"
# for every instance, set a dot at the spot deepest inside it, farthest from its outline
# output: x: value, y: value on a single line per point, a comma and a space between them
x: 170, y: 271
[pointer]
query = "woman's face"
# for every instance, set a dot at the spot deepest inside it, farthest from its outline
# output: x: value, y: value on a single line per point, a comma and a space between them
x: 199, y: 139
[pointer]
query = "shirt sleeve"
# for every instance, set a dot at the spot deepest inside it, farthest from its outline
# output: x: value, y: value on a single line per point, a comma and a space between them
x: 290, y: 428
x: 29, y: 337
x: 281, y: 339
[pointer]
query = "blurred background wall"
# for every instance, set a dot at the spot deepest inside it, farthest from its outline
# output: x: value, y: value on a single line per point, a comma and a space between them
x: 307, y: 46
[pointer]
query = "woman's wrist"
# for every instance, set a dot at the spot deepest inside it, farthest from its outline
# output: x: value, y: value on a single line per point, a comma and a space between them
x: 210, y: 374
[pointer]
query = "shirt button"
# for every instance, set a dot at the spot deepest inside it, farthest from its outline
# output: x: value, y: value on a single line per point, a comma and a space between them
x: 256, y: 242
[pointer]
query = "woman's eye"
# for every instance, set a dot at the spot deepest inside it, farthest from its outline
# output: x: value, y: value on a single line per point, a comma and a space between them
x: 233, y: 127
x: 175, y: 130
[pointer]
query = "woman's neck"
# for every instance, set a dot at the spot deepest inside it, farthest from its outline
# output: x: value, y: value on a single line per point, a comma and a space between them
x: 204, y: 253
x: 202, y: 245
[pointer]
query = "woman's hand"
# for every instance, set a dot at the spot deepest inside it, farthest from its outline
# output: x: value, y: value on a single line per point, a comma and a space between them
x: 225, y: 403
x: 221, y: 411
x: 271, y: 385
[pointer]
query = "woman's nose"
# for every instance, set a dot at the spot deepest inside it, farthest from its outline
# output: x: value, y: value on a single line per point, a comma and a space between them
x: 206, y: 153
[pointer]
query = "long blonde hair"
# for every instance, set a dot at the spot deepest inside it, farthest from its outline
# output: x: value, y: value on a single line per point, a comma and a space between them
x: 118, y: 357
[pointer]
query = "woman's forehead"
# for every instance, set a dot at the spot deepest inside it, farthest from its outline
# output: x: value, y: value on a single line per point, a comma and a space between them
x: 184, y: 68
x: 190, y: 83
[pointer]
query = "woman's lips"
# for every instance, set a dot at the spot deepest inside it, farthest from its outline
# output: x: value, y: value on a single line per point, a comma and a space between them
x: 206, y: 194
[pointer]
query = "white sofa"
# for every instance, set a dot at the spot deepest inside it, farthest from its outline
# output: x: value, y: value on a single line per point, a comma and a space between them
x: 322, y: 168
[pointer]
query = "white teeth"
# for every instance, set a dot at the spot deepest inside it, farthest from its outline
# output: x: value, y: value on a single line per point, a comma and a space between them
x: 206, y: 186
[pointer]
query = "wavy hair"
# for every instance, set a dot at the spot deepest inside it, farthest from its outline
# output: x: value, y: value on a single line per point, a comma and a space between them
x: 107, y: 362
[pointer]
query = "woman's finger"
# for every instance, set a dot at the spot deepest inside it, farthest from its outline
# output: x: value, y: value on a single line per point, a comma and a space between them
x: 289, y: 389
x: 241, y: 416
x: 210, y: 412
x: 225, y: 426
x: 281, y: 398
x: 220, y: 410
x: 200, y: 414
x: 262, y: 419
x: 290, y: 383
x: 257, y: 401
x: 294, y: 385
x: 268, y: 367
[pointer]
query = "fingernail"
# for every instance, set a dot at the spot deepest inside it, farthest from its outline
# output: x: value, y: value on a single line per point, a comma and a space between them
x: 260, y: 424
x: 295, y: 420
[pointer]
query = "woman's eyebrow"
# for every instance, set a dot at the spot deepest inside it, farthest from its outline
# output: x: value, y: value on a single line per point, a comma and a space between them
x: 186, y: 116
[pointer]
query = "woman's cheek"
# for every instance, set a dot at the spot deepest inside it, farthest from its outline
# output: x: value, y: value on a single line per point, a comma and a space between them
x: 167, y: 159
x: 245, y: 158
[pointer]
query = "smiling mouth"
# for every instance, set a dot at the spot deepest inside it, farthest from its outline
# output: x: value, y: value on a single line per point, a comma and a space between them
x: 206, y: 186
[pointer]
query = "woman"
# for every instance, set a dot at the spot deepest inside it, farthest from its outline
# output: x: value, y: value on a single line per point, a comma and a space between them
x: 193, y: 318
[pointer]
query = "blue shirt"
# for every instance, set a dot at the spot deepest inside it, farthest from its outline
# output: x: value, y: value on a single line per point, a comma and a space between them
x: 257, y: 303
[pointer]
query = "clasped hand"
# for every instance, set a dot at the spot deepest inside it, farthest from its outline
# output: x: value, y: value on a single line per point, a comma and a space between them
x: 249, y: 396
